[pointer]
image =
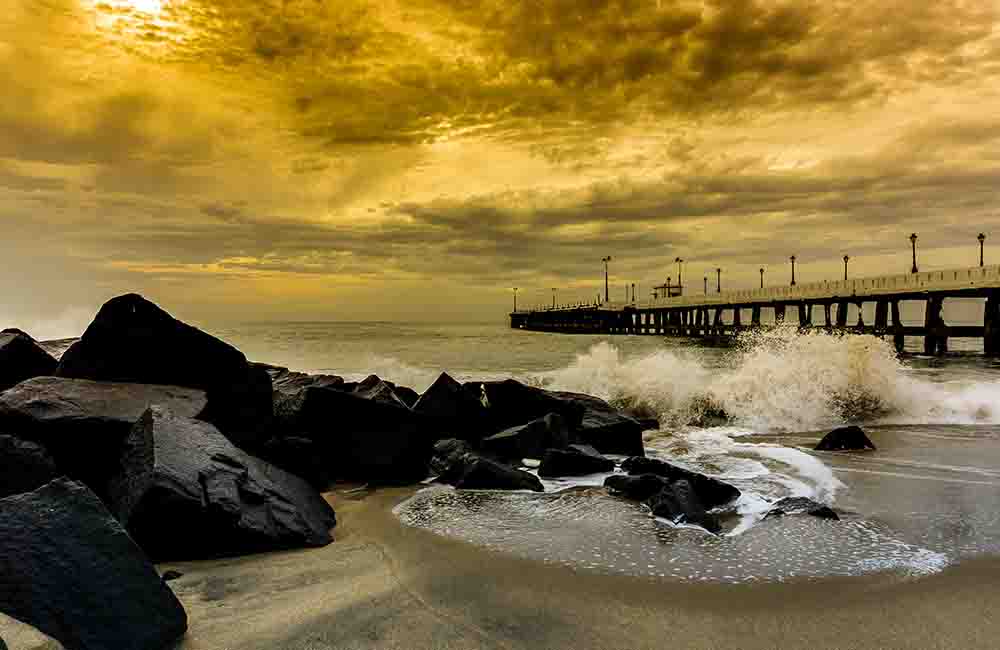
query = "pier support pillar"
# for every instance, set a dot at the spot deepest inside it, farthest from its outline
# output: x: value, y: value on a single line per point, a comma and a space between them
x: 755, y: 316
x: 898, y: 338
x: 842, y: 315
x: 779, y: 314
x: 881, y: 317
x: 717, y: 323
x: 991, y: 325
x: 826, y: 316
x: 861, y: 318
x: 805, y: 315
x: 935, y: 330
x: 737, y: 324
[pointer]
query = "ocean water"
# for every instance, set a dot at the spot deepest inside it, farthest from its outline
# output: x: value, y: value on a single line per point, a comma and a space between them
x: 749, y: 414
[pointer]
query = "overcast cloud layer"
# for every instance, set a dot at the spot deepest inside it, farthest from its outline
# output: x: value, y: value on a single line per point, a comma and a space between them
x: 356, y: 159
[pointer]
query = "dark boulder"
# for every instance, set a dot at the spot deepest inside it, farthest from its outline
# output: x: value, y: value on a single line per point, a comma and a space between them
x: 648, y: 424
x: 68, y: 569
x: 475, y: 472
x: 801, y: 506
x: 446, y: 452
x: 609, y: 431
x: 711, y: 491
x: 680, y: 504
x: 171, y: 574
x: 22, y: 358
x: 83, y: 424
x: 358, y: 438
x: 24, y: 466
x: 186, y: 492
x: 406, y: 394
x: 528, y: 440
x: 845, y: 439
x: 133, y: 340
x: 377, y: 390
x: 455, y: 409
x: 575, y: 460
x: 636, y: 487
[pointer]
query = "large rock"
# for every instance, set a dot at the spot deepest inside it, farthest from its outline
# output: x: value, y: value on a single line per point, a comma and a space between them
x: 24, y: 466
x: 21, y: 636
x: 298, y: 456
x: 186, y: 492
x: 528, y: 440
x: 456, y: 410
x: 22, y: 358
x: 377, y: 390
x: 360, y: 439
x: 591, y: 420
x: 575, y: 460
x: 845, y: 439
x: 711, y: 491
x: 284, y: 380
x: 68, y: 569
x: 475, y: 472
x: 801, y: 506
x: 446, y: 452
x: 83, y: 424
x: 680, y: 504
x: 133, y: 340
x: 636, y: 487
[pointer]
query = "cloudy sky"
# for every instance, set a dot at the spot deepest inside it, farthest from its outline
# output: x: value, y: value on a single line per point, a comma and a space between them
x: 394, y: 159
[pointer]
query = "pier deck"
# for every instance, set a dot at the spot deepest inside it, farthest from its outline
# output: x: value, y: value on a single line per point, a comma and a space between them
x: 727, y: 313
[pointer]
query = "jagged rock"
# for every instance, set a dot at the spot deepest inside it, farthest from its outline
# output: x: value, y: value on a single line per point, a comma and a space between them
x: 591, y: 420
x: 636, y: 487
x: 171, y: 574
x: 186, y: 492
x: 68, y: 569
x: 711, y: 491
x: 133, y: 340
x: 24, y: 466
x: 455, y: 409
x: 679, y: 503
x: 406, y: 394
x: 22, y: 358
x: 528, y: 440
x: 575, y: 460
x: 284, y: 380
x: 801, y: 506
x: 83, y: 424
x: 21, y: 636
x: 845, y: 439
x: 298, y: 456
x: 377, y: 390
x: 446, y: 452
x: 359, y: 439
x: 475, y: 472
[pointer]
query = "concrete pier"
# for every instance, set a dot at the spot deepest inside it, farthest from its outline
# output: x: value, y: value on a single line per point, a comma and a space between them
x: 720, y: 314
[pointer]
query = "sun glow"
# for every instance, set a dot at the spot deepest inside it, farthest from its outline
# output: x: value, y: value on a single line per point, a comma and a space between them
x: 145, y: 6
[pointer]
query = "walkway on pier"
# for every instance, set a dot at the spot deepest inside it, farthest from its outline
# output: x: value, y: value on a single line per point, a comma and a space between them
x: 722, y: 313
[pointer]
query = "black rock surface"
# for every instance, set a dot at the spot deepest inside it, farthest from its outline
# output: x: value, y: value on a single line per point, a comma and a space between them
x: 528, y: 440
x: 68, y: 569
x: 475, y: 472
x: 83, y: 424
x: 133, y: 340
x: 186, y: 492
x: 679, y: 503
x: 801, y: 506
x: 455, y: 410
x: 24, y: 466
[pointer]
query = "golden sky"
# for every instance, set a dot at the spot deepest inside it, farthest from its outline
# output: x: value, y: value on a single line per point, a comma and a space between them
x: 368, y: 159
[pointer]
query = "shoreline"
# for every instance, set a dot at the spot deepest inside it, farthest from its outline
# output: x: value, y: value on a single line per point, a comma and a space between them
x: 384, y: 585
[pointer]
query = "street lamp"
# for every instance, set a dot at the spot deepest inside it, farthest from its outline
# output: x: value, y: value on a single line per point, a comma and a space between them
x: 913, y: 242
x: 553, y: 297
x: 847, y: 258
x: 718, y: 280
x: 762, y: 277
x: 793, y: 269
x: 515, y: 299
x: 706, y: 285
x: 981, y: 238
x: 606, y: 260
x: 680, y: 284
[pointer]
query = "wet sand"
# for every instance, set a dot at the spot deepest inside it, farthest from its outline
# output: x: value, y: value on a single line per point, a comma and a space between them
x: 383, y: 585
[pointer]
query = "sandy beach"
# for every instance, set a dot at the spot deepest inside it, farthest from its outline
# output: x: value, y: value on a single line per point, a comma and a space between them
x: 382, y: 585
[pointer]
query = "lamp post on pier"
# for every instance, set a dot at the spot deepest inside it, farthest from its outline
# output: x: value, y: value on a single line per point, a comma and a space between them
x: 706, y: 285
x: 680, y: 284
x: 606, y: 260
x: 553, y: 297
x: 793, y: 269
x: 982, y: 240
x: 847, y: 258
x: 718, y: 280
x: 913, y: 242
x: 762, y: 277
x: 515, y: 299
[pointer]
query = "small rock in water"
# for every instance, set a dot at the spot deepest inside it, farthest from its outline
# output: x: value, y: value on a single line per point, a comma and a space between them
x: 845, y: 439
x: 636, y: 487
x: 711, y: 491
x: 679, y: 503
x: 474, y: 472
x: 575, y: 460
x: 801, y: 506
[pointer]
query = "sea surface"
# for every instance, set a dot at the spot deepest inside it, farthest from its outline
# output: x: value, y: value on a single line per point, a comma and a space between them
x: 749, y: 414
